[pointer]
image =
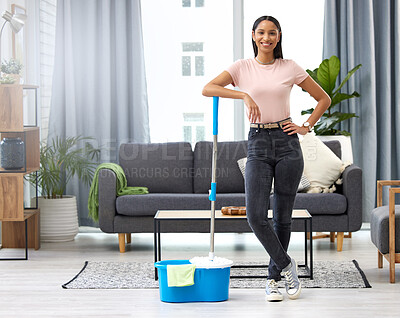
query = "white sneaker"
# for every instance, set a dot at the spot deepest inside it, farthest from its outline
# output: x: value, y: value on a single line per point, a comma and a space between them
x: 272, y: 291
x: 293, y: 284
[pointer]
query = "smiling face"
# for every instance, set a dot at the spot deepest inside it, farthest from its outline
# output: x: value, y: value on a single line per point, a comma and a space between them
x: 266, y: 36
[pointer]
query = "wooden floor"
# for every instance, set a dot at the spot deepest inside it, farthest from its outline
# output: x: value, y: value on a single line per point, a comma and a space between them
x: 33, y: 288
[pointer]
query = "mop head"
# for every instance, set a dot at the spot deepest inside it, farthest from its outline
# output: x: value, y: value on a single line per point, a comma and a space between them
x: 206, y: 262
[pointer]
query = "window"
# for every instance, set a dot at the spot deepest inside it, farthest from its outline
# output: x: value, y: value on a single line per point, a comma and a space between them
x: 182, y: 54
x: 188, y: 67
x: 199, y: 65
x: 194, y: 127
x: 199, y: 3
x: 188, y: 3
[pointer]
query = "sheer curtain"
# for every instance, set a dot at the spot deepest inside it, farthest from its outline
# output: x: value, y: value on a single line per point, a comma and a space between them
x: 99, y: 85
x: 367, y: 32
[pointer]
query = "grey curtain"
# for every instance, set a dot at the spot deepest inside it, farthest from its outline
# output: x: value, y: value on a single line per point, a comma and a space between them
x: 367, y: 32
x: 99, y: 85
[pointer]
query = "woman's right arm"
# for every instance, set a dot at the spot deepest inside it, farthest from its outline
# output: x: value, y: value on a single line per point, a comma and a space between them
x: 216, y: 87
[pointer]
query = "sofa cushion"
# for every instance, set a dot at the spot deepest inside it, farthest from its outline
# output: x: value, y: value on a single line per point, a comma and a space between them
x: 380, y: 228
x: 321, y: 166
x: 229, y: 177
x: 149, y: 204
x: 335, y: 146
x: 319, y: 203
x: 161, y: 167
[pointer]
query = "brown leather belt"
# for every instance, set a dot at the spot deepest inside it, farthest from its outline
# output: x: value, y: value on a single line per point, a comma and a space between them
x: 278, y: 124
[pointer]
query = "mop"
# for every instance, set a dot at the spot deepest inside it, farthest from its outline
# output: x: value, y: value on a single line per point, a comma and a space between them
x: 211, y: 274
x: 212, y: 261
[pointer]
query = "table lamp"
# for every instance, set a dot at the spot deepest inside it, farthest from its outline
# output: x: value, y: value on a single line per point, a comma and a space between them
x: 16, y: 21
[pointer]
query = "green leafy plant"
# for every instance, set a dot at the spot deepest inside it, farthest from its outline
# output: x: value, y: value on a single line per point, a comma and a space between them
x: 326, y: 76
x: 12, y: 66
x: 60, y: 160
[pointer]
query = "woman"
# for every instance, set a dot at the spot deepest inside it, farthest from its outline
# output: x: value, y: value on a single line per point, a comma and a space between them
x: 273, y: 146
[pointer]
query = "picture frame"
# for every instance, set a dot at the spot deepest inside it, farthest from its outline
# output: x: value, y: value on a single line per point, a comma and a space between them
x: 18, y: 39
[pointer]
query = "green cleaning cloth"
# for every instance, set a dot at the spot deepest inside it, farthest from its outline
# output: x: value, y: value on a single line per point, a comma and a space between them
x: 180, y: 275
x: 122, y: 188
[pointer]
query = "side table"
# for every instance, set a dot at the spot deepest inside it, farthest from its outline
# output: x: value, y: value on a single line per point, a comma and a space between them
x: 193, y: 215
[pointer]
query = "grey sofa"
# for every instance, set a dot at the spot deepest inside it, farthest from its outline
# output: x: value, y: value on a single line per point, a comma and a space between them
x: 179, y: 178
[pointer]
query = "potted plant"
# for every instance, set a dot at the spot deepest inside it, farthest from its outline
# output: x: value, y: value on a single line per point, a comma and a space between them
x: 60, y: 160
x: 326, y: 75
x: 7, y: 79
x: 12, y: 67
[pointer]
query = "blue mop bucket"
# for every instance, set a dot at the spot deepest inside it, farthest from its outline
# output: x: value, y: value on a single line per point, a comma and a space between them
x: 210, y: 284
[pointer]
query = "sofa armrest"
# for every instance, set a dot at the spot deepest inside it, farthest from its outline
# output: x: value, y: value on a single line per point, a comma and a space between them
x: 352, y: 190
x: 107, y: 200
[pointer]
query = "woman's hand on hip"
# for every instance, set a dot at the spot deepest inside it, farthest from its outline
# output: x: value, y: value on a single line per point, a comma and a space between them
x: 292, y: 128
x: 253, y: 111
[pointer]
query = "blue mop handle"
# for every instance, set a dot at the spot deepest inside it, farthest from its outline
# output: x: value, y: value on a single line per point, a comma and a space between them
x: 213, y: 192
x: 215, y: 115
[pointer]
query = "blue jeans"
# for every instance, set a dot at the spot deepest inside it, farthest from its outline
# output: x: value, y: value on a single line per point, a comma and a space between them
x: 272, y: 153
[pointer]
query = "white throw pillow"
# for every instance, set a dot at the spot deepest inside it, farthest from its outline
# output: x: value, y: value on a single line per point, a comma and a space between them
x: 303, y: 185
x: 321, y: 166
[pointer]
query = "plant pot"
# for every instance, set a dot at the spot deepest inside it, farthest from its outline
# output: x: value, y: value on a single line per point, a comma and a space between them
x: 345, y: 143
x: 58, y: 219
x: 16, y: 77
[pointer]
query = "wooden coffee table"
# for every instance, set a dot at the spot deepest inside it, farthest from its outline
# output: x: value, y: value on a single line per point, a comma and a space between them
x: 195, y: 215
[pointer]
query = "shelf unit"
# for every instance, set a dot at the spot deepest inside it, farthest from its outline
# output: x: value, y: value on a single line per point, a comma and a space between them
x: 13, y: 215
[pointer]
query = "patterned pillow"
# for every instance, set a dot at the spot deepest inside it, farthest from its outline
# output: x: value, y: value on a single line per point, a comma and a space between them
x: 303, y: 185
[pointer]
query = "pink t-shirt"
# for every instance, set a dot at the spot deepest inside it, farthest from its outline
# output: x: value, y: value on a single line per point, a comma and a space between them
x: 268, y: 85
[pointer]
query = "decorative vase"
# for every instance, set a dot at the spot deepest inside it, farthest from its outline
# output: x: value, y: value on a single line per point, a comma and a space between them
x: 58, y: 219
x: 12, y: 153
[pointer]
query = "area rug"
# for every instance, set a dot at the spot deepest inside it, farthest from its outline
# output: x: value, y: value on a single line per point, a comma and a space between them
x: 130, y: 275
